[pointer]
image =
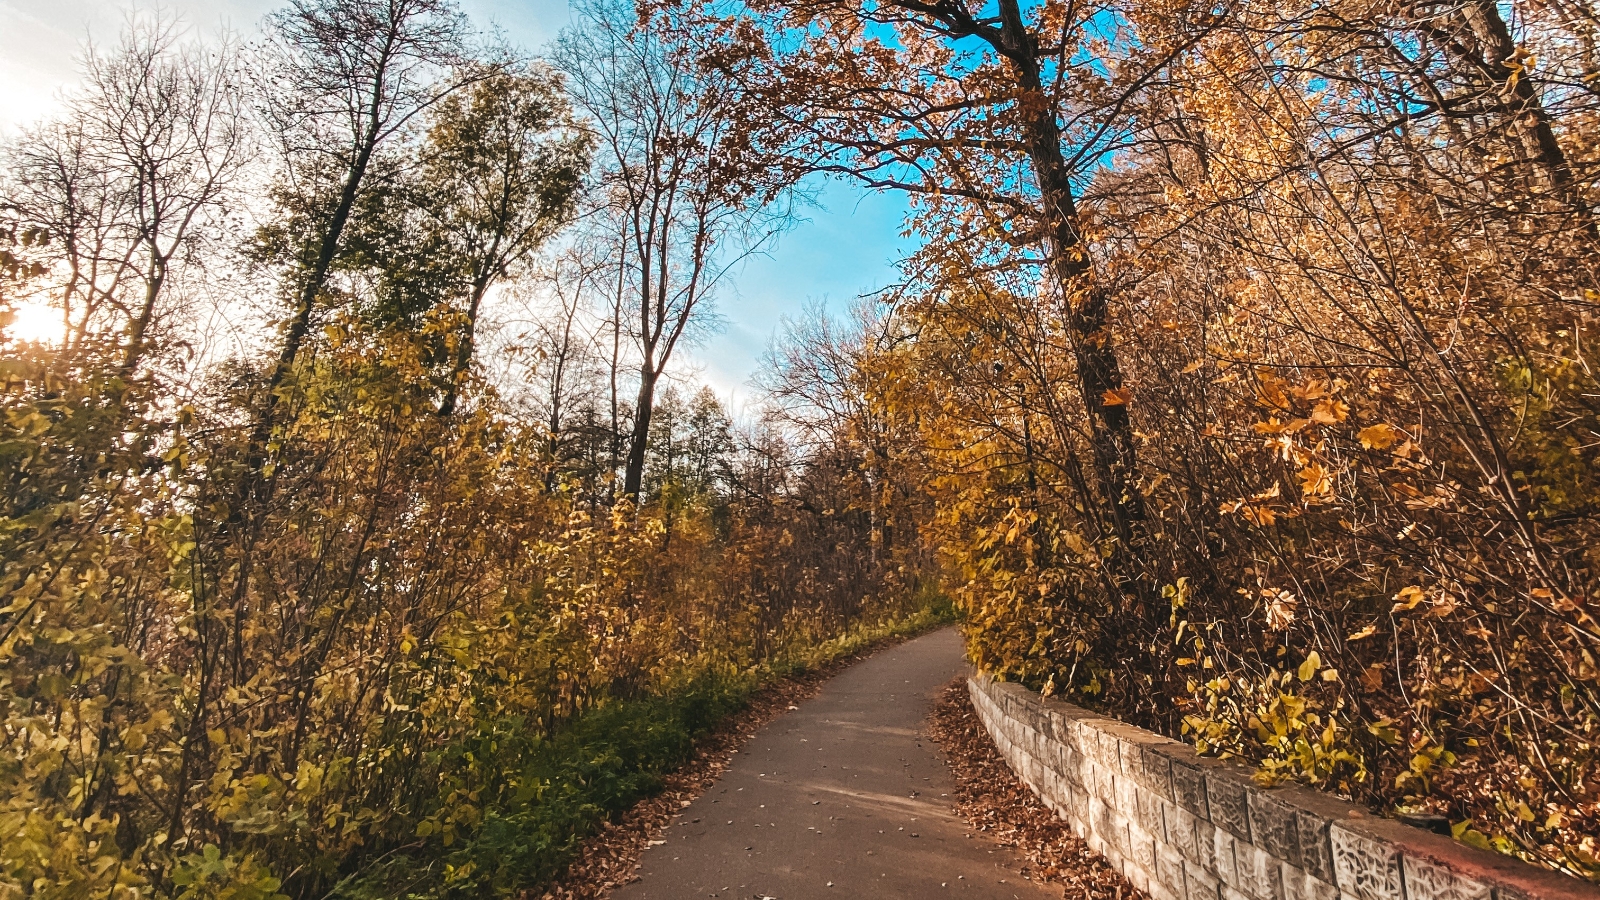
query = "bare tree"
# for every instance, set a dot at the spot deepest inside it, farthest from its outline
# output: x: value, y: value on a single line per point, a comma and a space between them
x: 55, y: 185
x: 169, y: 121
x: 683, y: 202
x: 134, y: 176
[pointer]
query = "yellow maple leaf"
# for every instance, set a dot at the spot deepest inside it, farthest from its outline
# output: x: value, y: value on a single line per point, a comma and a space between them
x: 1379, y: 436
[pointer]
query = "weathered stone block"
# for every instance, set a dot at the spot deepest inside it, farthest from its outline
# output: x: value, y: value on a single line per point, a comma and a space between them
x: 1159, y: 891
x: 1157, y: 772
x: 1364, y: 867
x: 1227, y: 797
x: 1427, y: 881
x: 1206, y: 834
x: 1200, y: 884
x: 1222, y: 861
x: 1099, y: 816
x: 1181, y: 834
x: 1299, y: 884
x: 1117, y: 833
x: 1233, y: 893
x: 1127, y: 794
x: 1316, y: 852
x: 1189, y: 788
x: 1147, y: 811
x: 1141, y: 848
x: 1260, y: 873
x: 1169, y: 867
x: 1108, y: 751
x: 1274, y: 826
x: 1101, y: 782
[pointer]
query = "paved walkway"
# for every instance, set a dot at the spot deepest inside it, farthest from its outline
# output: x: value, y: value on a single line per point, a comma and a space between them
x: 842, y: 798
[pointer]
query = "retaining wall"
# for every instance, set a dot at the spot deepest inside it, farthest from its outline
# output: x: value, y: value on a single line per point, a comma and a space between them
x: 1183, y: 827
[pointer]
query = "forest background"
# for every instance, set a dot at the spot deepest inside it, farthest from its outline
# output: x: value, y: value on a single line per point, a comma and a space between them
x: 1240, y: 385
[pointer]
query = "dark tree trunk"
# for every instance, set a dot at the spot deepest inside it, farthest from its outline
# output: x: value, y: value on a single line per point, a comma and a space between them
x: 639, y: 442
x: 464, y: 350
x: 1099, y: 371
x: 300, y: 322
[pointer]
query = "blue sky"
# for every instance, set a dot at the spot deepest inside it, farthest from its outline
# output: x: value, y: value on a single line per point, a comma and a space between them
x: 846, y: 247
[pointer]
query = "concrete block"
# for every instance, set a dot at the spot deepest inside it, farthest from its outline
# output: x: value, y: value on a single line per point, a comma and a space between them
x: 1227, y: 797
x: 1101, y: 782
x: 1169, y: 867
x: 1425, y: 880
x: 1139, y: 878
x: 1260, y: 873
x: 1299, y: 884
x: 1181, y: 836
x: 1127, y: 794
x: 1316, y: 852
x: 1108, y: 751
x: 1223, y: 862
x: 1274, y: 826
x: 1200, y: 884
x: 1159, y: 891
x: 1188, y: 783
x: 1157, y: 772
x: 1141, y: 848
x: 1060, y: 728
x: 1364, y: 867
x: 1117, y: 833
x: 1100, y: 822
x: 1148, y: 811
x: 1206, y: 839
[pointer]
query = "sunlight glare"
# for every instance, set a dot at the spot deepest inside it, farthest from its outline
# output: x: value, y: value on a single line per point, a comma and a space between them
x: 34, y: 320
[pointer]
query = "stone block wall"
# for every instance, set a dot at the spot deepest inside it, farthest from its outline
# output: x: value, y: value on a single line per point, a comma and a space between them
x: 1183, y: 827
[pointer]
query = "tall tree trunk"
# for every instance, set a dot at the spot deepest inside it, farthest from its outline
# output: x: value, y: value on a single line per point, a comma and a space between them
x: 639, y: 442
x: 1494, y: 53
x: 140, y: 325
x: 300, y: 322
x: 464, y: 349
x: 1099, y: 371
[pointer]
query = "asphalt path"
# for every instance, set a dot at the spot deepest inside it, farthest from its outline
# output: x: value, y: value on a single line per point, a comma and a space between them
x: 843, y: 797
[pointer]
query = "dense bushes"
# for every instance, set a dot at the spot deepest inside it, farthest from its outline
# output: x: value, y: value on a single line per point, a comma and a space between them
x: 409, y: 668
x: 301, y: 603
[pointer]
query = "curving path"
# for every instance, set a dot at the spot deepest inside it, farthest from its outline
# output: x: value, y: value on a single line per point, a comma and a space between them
x: 841, y: 798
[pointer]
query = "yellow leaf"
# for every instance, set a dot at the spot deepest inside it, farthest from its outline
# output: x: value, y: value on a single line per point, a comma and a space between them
x: 1316, y: 481
x: 1408, y: 598
x: 1366, y: 632
x: 1379, y: 436
x: 1329, y: 411
x: 1309, y: 667
x: 1116, y: 397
